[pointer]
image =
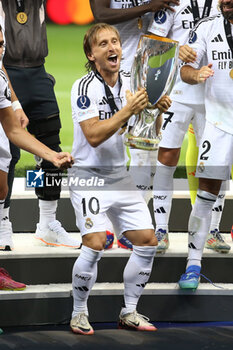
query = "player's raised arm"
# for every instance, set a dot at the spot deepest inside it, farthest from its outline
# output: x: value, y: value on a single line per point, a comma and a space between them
x: 103, y: 13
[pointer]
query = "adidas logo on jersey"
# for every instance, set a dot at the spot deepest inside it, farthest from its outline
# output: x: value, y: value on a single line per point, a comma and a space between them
x: 187, y: 10
x: 160, y: 210
x: 104, y: 101
x: 217, y: 39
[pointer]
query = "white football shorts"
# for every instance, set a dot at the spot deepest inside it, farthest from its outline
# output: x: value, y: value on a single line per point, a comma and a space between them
x: 124, y: 206
x: 176, y: 122
x: 215, y: 156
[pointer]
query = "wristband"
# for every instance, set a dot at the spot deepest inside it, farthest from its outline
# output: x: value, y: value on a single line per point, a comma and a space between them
x: 16, y: 105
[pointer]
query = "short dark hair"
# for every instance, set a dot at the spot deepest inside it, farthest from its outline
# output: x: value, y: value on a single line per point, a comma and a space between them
x: 90, y: 38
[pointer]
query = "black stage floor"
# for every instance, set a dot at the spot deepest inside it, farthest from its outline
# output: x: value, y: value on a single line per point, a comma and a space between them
x: 213, y: 336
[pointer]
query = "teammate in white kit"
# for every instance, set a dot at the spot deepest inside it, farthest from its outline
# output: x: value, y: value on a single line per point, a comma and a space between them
x: 187, y: 107
x: 101, y: 105
x: 131, y: 18
x: 212, y: 40
x: 5, y: 154
x: 18, y: 136
x: 6, y: 242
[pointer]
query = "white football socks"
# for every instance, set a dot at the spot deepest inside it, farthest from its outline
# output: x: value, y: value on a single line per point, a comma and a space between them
x: 218, y: 208
x: 162, y: 193
x: 83, y: 277
x: 47, y: 212
x: 136, y: 275
x: 199, y: 225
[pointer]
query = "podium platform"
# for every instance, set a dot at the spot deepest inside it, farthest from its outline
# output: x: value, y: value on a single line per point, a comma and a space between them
x: 48, y: 296
x: 47, y: 272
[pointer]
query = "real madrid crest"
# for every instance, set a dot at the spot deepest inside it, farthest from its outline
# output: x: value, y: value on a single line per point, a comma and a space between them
x: 22, y: 17
x: 201, y: 167
x: 88, y: 223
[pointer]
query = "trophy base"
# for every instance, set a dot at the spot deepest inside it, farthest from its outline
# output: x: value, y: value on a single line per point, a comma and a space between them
x: 142, y: 143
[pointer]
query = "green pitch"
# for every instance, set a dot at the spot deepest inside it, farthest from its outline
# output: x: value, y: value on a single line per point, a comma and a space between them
x: 65, y: 62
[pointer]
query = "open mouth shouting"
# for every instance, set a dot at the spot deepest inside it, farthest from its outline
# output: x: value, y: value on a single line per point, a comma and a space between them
x: 113, y: 59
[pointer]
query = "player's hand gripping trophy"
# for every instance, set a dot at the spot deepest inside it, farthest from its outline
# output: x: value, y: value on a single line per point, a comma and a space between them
x: 154, y: 68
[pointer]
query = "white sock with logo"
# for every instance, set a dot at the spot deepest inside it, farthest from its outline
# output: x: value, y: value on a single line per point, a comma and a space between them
x: 83, y: 278
x: 162, y: 193
x: 5, y: 213
x: 136, y: 275
x: 47, y: 212
x: 218, y: 208
x: 199, y: 225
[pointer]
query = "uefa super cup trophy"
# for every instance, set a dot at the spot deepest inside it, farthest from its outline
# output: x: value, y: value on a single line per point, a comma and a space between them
x: 155, y: 68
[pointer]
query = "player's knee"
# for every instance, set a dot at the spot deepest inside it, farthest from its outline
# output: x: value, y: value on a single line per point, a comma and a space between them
x: 169, y: 156
x: 95, y: 241
x: 99, y: 245
x: 148, y: 238
x: 210, y: 185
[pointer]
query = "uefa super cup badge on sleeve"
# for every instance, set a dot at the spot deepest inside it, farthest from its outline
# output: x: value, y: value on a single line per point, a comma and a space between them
x: 154, y: 68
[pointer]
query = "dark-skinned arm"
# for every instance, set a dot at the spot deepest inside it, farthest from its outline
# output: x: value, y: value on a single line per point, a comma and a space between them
x: 103, y: 13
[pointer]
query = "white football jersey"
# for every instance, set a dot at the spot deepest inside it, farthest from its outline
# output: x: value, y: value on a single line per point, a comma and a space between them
x: 209, y: 41
x: 177, y: 25
x: 88, y: 100
x: 129, y: 31
x: 5, y: 92
x: 5, y: 101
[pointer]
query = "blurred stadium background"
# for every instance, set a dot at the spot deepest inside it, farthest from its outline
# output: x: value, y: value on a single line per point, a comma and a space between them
x: 67, y: 22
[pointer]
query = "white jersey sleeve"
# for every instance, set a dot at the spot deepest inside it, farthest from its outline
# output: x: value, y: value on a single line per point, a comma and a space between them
x: 5, y: 93
x: 197, y: 41
x: 209, y: 40
x: 162, y: 22
x: 83, y: 107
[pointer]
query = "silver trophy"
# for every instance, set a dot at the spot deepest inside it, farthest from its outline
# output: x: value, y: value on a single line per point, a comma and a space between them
x: 155, y: 68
